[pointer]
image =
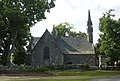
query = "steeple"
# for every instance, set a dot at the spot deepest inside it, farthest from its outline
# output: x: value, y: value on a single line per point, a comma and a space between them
x: 90, y: 28
x: 89, y: 22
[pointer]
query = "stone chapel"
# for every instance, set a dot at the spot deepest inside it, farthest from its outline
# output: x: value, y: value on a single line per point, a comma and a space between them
x: 52, y: 50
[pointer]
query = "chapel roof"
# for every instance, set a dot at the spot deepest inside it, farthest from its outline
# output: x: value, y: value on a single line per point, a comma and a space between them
x: 74, y: 45
x: 70, y: 45
x: 34, y: 41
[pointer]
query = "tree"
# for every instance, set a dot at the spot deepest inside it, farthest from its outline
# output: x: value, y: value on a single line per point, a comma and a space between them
x: 108, y: 43
x: 66, y: 29
x: 19, y: 56
x: 21, y: 46
x: 15, y: 15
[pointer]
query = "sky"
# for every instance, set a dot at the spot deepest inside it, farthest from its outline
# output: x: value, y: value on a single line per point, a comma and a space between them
x: 76, y: 12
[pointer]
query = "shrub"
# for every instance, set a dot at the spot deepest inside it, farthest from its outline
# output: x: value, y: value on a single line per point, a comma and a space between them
x: 111, y: 68
x: 85, y: 67
x: 59, y: 67
x: 73, y: 66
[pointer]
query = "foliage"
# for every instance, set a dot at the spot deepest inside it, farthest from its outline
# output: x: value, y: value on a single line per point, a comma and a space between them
x: 19, y: 57
x: 46, y: 69
x: 16, y: 18
x: 21, y: 46
x: 66, y: 29
x: 108, y: 42
x: 69, y: 67
x: 85, y: 67
x: 49, y: 69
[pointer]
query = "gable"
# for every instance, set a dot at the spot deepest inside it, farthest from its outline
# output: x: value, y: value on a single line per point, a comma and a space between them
x: 44, y: 37
x: 45, y: 51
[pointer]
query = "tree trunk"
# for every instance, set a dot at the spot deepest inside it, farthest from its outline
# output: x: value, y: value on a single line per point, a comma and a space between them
x: 12, y: 48
x: 6, y: 51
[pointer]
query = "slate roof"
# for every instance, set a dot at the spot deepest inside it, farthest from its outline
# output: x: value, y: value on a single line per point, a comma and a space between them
x: 71, y: 45
x: 75, y: 45
x: 34, y: 41
x: 68, y: 45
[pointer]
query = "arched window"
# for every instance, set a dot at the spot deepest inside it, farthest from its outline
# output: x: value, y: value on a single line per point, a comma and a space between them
x: 46, y: 53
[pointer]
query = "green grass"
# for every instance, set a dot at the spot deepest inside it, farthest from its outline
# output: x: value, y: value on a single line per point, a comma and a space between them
x: 85, y: 73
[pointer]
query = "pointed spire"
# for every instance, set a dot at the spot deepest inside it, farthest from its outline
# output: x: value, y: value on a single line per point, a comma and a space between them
x: 89, y: 22
x: 90, y: 28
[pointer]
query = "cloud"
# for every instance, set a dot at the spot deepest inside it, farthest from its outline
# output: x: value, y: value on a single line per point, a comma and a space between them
x: 76, y: 12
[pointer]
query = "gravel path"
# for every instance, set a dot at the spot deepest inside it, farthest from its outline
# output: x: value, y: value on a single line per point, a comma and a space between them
x: 7, y: 78
x: 110, y: 78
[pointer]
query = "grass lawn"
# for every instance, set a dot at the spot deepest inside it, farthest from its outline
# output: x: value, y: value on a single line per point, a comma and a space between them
x: 68, y: 76
x: 85, y: 73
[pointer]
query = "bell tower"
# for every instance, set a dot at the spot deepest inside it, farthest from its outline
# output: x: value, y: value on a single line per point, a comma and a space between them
x: 89, y: 28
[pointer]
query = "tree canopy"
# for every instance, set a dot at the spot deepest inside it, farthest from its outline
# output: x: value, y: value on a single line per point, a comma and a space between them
x: 66, y: 29
x: 16, y: 18
x: 109, y: 41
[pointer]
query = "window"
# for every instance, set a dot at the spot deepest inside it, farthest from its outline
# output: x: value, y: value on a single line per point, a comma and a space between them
x: 46, y: 53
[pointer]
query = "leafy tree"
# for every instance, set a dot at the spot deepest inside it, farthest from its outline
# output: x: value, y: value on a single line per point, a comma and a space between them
x: 19, y: 56
x: 77, y: 34
x: 108, y: 43
x: 15, y: 15
x: 66, y: 29
x: 21, y: 46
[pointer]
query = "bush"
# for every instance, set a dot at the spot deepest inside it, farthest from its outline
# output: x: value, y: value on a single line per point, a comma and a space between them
x: 111, y: 68
x: 85, y: 67
x: 50, y: 67
x: 72, y: 66
x: 44, y: 68
x: 40, y: 69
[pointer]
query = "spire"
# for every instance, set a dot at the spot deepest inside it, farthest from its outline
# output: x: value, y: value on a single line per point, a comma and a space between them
x: 90, y: 28
x: 89, y: 22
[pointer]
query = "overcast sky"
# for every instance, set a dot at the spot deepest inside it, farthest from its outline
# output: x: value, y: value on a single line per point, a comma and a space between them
x: 76, y: 12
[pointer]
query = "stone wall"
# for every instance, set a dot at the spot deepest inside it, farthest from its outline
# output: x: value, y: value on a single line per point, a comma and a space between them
x: 15, y: 68
x: 80, y: 59
x: 56, y: 58
x: 28, y: 59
